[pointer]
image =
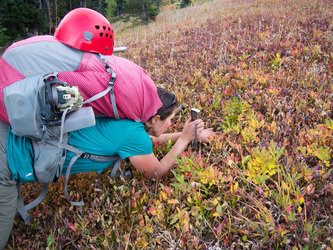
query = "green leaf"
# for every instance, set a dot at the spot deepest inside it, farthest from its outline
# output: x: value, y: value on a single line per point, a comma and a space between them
x: 219, y: 209
x: 49, y: 241
x: 173, y: 221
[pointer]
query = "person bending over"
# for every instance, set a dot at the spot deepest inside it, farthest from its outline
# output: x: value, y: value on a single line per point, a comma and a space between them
x: 109, y: 137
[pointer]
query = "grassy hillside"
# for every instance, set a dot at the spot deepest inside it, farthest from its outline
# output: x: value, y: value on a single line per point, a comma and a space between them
x: 261, y: 72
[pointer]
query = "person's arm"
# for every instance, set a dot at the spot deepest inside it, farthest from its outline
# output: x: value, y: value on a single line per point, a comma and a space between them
x: 204, y: 137
x: 164, y: 138
x: 152, y: 168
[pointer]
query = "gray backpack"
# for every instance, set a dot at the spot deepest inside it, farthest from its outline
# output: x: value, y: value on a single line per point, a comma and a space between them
x: 45, y: 109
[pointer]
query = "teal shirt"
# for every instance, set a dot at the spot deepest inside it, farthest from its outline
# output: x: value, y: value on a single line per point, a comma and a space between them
x: 20, y: 157
x: 109, y: 137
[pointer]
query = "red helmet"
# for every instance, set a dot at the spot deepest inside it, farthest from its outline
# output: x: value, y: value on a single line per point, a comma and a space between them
x: 86, y: 29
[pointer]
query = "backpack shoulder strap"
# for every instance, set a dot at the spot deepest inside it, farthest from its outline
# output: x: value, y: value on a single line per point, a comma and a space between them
x: 110, y: 89
x: 111, y: 85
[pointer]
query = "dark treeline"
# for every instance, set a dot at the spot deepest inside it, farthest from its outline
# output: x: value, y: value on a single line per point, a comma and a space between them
x: 23, y: 18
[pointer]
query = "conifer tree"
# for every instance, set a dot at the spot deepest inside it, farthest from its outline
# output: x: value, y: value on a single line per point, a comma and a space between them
x: 110, y: 9
x: 20, y: 19
x: 142, y: 10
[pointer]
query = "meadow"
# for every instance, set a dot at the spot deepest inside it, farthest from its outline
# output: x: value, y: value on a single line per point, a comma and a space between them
x: 261, y: 72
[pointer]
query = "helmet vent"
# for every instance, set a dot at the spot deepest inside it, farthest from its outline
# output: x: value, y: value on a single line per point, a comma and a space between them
x: 104, y: 28
x: 101, y: 34
x: 97, y: 27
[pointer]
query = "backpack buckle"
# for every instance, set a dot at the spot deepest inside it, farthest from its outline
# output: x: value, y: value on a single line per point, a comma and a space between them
x: 113, y: 78
x: 84, y: 156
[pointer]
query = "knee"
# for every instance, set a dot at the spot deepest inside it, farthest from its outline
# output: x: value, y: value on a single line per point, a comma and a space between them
x: 8, y: 196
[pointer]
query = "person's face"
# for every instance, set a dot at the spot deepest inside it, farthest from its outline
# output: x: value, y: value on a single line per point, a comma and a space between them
x: 156, y: 126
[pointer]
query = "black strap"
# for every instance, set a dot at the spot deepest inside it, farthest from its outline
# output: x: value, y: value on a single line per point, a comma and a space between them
x: 196, y: 137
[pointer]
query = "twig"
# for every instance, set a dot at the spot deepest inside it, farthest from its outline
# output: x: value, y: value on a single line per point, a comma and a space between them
x: 129, y: 234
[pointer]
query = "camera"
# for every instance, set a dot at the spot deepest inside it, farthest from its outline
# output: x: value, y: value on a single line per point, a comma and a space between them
x: 195, y: 114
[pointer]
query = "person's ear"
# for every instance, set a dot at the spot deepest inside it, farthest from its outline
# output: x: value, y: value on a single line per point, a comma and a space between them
x: 155, y: 119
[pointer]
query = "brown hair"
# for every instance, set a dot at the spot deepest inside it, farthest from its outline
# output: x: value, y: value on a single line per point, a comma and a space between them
x: 169, y: 101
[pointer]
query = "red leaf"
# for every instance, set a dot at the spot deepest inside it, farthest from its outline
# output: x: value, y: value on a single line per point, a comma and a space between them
x: 218, y: 229
x: 288, y: 208
x: 71, y: 226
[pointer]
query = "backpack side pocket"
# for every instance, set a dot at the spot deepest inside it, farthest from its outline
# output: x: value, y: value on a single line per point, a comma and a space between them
x: 48, y: 161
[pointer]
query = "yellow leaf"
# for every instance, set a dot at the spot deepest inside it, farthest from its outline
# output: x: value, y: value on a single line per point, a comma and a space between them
x: 273, y: 91
x: 284, y: 185
x: 301, y: 200
x: 164, y: 195
x: 143, y: 198
x: 284, y: 232
x: 173, y: 201
x: 299, y: 209
x: 236, y: 186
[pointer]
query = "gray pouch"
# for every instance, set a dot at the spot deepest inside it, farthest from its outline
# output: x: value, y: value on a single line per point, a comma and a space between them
x: 48, y: 160
x: 24, y: 101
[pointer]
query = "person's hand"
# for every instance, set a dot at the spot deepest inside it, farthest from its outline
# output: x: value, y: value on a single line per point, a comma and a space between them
x: 188, y: 133
x: 207, y: 135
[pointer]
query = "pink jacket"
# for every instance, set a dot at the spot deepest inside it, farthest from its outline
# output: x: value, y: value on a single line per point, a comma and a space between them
x: 135, y: 92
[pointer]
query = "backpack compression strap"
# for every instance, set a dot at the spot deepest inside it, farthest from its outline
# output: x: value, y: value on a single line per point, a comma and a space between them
x: 82, y: 154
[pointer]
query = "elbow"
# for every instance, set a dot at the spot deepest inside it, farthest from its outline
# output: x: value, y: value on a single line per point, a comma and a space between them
x: 155, y: 174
